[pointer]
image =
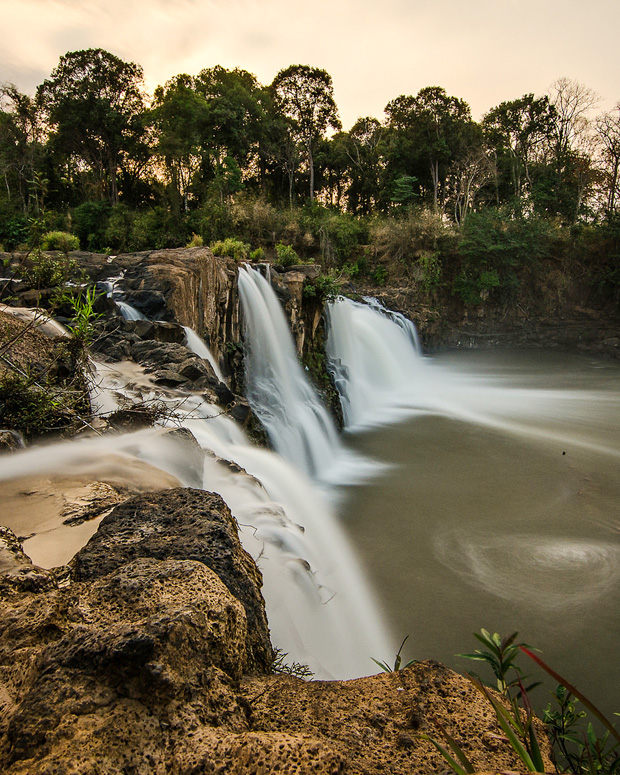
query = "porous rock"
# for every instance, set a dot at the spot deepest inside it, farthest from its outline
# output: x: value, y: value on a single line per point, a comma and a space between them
x: 182, y: 524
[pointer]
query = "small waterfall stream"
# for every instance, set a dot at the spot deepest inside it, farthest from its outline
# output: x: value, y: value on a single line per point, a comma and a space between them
x: 299, y: 427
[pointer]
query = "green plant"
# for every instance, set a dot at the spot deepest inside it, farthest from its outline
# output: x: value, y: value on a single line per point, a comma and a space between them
x: 280, y: 667
x: 286, y: 256
x: 430, y: 266
x: 257, y: 255
x: 40, y: 270
x: 60, y: 240
x: 195, y: 242
x: 34, y: 409
x: 324, y: 288
x: 583, y: 750
x: 379, y: 275
x: 82, y: 304
x: 231, y: 247
x: 397, y: 661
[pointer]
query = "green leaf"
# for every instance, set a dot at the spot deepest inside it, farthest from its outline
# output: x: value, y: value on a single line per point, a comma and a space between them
x: 573, y: 690
x: 450, y: 759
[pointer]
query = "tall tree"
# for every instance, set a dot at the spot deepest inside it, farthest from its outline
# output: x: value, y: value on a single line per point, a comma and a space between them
x: 179, y: 114
x: 608, y: 133
x: 95, y: 108
x: 435, y: 129
x: 305, y: 95
x: 518, y: 132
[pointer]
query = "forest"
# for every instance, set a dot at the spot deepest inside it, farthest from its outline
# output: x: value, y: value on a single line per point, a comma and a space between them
x: 270, y: 171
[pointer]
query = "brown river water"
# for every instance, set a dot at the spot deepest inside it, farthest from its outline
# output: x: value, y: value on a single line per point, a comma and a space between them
x: 501, y: 512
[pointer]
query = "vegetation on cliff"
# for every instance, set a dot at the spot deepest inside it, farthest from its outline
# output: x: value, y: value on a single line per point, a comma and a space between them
x: 452, y: 205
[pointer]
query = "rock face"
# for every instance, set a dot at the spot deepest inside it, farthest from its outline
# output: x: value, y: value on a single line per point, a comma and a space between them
x: 182, y: 524
x: 150, y: 656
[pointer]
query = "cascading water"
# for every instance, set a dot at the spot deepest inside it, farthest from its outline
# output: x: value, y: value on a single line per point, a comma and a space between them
x: 374, y: 359
x: 320, y: 609
x: 280, y: 394
x: 197, y: 345
x: 116, y: 294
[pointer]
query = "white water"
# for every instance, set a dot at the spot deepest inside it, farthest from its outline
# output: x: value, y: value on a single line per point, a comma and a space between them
x: 197, y: 345
x: 319, y: 606
x: 298, y: 425
x: 382, y: 378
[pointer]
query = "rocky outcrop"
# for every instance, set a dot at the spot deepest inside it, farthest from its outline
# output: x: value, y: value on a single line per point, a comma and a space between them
x: 182, y: 524
x: 150, y: 655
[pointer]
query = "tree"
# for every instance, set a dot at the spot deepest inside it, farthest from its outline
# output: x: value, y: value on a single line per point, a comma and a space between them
x: 95, y: 110
x: 179, y: 114
x: 519, y: 132
x: 432, y: 130
x: 573, y: 145
x: 608, y: 133
x: 21, y: 148
x: 305, y: 96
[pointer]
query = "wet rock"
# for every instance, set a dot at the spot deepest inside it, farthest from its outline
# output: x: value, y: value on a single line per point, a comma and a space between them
x: 17, y: 573
x: 182, y: 524
x: 10, y: 439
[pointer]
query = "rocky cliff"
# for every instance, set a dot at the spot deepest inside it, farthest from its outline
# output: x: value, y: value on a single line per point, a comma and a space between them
x: 149, y: 654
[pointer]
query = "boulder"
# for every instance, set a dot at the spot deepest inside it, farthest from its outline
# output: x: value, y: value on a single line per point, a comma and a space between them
x: 189, y: 525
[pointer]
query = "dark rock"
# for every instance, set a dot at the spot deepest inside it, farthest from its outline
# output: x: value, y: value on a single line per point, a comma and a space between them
x: 10, y: 439
x: 182, y: 524
x: 151, y: 303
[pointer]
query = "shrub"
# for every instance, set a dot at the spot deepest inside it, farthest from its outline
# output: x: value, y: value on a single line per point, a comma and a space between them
x: 257, y: 255
x: 195, y: 242
x: 44, y: 271
x: 232, y: 247
x: 30, y: 409
x: 60, y: 240
x: 286, y: 256
x: 324, y: 288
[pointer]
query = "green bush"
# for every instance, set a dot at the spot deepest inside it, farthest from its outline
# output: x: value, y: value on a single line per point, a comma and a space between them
x: 257, y: 255
x: 60, y: 240
x: 286, y: 256
x: 89, y: 222
x: 232, y: 247
x: 324, y: 288
x: 30, y: 409
x: 44, y: 271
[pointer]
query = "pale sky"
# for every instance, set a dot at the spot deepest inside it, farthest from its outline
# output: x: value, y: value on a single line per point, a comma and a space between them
x: 484, y: 51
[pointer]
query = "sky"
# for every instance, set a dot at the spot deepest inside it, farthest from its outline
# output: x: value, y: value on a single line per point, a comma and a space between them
x: 483, y: 51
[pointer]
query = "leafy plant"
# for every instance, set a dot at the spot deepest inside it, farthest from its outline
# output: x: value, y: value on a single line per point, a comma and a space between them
x: 231, y: 247
x: 60, y: 240
x: 43, y: 271
x: 583, y: 750
x: 82, y: 304
x: 324, y: 288
x: 257, y: 255
x: 286, y: 256
x: 397, y: 661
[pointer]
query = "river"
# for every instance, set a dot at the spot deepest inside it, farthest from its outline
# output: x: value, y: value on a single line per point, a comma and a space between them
x: 500, y: 509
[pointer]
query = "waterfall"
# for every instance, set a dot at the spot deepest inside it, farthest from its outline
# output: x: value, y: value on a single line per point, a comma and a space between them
x: 116, y: 294
x: 375, y: 360
x: 298, y: 425
x: 320, y: 608
x: 197, y: 345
